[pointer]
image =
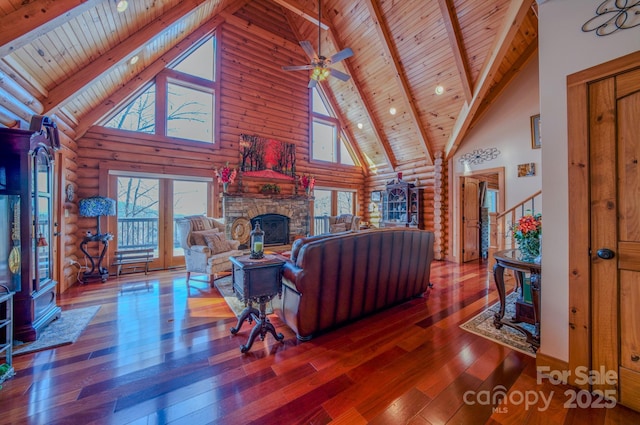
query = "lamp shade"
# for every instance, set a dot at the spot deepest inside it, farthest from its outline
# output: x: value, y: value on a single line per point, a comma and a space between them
x: 97, y: 206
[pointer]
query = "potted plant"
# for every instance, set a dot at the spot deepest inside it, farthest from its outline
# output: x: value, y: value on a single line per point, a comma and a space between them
x: 270, y: 188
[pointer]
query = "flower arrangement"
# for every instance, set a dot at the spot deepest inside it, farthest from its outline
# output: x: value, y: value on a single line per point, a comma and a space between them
x: 527, y: 234
x: 307, y: 182
x: 226, y: 174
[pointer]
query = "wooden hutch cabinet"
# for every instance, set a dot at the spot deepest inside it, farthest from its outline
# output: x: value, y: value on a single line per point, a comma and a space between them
x: 26, y: 225
x: 402, y: 205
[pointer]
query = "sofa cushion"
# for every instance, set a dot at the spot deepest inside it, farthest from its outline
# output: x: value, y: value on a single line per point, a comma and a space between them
x: 217, y: 242
x: 198, y: 238
x: 338, y: 227
x: 199, y: 222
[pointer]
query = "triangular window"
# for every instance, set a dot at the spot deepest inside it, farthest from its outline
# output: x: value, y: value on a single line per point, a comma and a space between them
x: 181, y: 99
x: 328, y: 142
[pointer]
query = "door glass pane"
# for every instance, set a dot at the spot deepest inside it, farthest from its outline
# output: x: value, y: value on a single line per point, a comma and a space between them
x: 345, y: 203
x: 321, y: 208
x: 189, y: 198
x: 138, y: 202
x: 43, y: 242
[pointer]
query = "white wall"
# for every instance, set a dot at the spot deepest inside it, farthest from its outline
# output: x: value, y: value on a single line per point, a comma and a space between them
x: 563, y: 50
x: 505, y: 126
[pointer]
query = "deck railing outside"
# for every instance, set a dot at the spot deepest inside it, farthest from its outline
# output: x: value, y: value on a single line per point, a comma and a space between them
x: 136, y: 232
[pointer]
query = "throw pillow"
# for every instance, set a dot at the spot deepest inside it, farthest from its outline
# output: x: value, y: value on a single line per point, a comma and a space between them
x: 199, y: 222
x: 216, y: 242
x: 197, y: 238
x: 335, y: 228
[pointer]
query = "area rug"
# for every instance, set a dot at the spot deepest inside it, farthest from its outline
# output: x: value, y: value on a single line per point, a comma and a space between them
x: 225, y: 286
x: 482, y: 325
x: 62, y: 331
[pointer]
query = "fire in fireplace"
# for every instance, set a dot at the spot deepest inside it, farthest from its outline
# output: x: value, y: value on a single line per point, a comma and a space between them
x: 275, y: 227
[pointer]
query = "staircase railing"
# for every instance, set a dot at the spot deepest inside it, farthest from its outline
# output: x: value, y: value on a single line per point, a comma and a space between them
x: 505, y: 220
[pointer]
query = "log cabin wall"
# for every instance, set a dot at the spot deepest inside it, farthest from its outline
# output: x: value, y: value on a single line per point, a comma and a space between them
x: 255, y: 97
x: 435, y: 203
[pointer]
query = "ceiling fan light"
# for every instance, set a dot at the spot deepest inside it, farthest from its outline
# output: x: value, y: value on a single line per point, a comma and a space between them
x: 122, y: 5
x: 320, y: 74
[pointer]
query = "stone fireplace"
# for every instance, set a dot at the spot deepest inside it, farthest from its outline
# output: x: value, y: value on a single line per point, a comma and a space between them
x: 279, y: 211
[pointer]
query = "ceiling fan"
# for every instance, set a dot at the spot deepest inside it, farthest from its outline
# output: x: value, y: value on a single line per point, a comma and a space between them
x: 319, y: 65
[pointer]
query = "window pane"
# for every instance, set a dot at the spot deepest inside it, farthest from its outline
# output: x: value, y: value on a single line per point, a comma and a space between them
x: 139, y: 115
x: 345, y: 156
x: 190, y: 113
x: 345, y: 203
x: 138, y: 213
x: 321, y: 207
x: 318, y: 104
x: 324, y: 142
x: 201, y: 62
x: 189, y: 198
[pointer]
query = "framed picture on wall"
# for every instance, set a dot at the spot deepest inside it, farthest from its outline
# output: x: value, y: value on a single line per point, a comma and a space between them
x: 536, y: 143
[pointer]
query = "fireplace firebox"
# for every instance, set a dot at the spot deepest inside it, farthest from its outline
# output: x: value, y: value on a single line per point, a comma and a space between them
x: 275, y: 227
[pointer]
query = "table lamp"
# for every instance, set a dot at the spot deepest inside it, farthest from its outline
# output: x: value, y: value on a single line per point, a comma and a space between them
x: 97, y: 206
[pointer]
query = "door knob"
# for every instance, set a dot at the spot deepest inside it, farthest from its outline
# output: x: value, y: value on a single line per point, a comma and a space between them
x: 606, y: 253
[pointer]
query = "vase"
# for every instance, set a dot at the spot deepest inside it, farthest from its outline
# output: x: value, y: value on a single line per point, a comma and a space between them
x: 529, y: 247
x: 307, y: 190
x: 225, y: 187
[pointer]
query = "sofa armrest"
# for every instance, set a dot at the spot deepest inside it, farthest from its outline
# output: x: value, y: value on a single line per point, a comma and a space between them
x: 291, y: 273
x: 234, y: 244
x: 200, y: 248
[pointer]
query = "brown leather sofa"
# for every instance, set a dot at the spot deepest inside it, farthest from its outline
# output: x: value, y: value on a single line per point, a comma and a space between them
x: 331, y: 280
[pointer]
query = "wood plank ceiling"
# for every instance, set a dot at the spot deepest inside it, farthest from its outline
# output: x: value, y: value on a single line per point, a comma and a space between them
x: 70, y: 59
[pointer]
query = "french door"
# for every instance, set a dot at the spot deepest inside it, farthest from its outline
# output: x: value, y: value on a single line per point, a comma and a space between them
x: 148, y: 207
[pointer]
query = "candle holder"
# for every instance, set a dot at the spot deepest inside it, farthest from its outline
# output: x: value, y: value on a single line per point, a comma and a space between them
x: 257, y: 242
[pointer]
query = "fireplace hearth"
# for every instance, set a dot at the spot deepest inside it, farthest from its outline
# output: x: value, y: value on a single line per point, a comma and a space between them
x: 288, y: 216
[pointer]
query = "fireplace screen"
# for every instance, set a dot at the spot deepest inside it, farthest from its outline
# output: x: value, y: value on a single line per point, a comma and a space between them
x: 275, y: 227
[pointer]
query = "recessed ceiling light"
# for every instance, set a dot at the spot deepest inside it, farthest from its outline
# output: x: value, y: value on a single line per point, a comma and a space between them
x: 360, y: 125
x: 134, y: 60
x: 122, y: 5
x: 392, y: 111
x: 439, y: 90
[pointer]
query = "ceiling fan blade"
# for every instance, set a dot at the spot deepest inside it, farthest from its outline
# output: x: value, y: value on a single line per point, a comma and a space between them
x: 308, y: 49
x: 340, y: 75
x: 312, y: 83
x: 342, y: 55
x: 297, y: 67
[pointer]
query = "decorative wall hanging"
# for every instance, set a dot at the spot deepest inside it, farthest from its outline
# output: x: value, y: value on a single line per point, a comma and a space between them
x: 527, y: 170
x: 536, y: 141
x: 614, y: 15
x: 262, y: 157
x: 479, y: 156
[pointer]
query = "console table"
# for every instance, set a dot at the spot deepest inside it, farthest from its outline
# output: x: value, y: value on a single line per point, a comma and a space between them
x: 513, y: 259
x: 257, y: 280
x: 97, y: 270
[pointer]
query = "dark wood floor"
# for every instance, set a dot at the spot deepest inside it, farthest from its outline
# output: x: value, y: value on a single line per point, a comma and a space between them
x: 160, y: 352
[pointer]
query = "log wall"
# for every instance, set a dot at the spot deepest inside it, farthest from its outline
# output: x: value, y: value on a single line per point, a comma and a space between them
x: 255, y: 97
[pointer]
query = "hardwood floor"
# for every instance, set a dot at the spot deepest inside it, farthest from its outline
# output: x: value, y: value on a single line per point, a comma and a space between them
x: 160, y: 352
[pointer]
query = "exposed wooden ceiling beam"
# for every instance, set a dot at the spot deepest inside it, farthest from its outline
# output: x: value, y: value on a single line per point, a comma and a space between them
x: 332, y: 100
x: 507, y: 77
x: 405, y: 89
x: 387, y: 151
x: 37, y: 18
x: 309, y: 15
x: 457, y: 46
x: 103, y: 64
x: 147, y: 74
x: 514, y: 17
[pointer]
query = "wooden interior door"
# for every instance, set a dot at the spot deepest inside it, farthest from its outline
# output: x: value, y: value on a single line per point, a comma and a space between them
x: 470, y: 219
x: 614, y: 145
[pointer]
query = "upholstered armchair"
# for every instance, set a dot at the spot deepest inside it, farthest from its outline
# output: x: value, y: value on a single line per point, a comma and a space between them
x: 206, y: 248
x: 344, y: 223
